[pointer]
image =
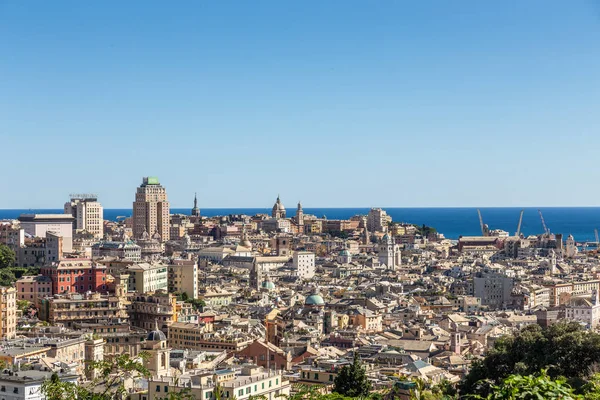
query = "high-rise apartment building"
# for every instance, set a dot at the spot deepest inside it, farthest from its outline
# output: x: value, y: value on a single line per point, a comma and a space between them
x: 378, y: 220
x: 151, y: 210
x: 88, y: 214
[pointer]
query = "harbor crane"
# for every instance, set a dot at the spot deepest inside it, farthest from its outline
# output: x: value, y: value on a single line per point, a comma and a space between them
x: 546, y: 230
x: 519, y: 226
x: 485, y: 230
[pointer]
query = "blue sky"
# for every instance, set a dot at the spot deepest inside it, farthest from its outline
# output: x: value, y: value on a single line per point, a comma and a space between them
x: 335, y: 103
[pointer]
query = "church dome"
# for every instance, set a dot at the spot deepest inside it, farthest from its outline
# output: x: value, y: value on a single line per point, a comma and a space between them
x: 344, y: 252
x: 278, y: 206
x: 156, y: 336
x: 314, y: 300
x: 268, y: 285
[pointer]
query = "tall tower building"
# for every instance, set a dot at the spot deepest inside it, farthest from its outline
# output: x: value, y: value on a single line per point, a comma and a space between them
x: 300, y: 218
x: 195, y: 210
x: 88, y: 214
x: 151, y: 210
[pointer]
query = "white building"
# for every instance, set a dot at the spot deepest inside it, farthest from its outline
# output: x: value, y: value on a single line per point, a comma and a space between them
x: 144, y: 277
x: 27, y: 385
x: 585, y: 310
x: 88, y: 214
x: 304, y: 264
x: 389, y: 252
x: 251, y: 381
x: 61, y: 224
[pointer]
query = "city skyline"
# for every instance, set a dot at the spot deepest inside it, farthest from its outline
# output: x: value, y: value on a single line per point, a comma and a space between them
x: 340, y: 104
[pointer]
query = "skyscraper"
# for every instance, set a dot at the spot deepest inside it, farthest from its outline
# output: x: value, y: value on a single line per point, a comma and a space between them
x: 151, y: 210
x: 88, y: 214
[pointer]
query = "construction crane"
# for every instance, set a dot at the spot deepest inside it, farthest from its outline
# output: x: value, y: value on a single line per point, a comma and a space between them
x: 519, y: 226
x: 484, y: 228
x: 546, y: 230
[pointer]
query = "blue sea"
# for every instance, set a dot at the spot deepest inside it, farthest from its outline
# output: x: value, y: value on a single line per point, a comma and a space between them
x: 452, y: 222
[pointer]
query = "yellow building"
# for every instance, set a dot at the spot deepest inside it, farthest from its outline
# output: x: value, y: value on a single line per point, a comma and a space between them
x: 8, y: 310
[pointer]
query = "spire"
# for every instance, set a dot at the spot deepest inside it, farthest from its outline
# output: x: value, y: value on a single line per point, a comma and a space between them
x: 195, y: 210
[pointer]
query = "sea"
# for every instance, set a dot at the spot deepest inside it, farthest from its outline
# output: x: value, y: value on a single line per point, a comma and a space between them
x: 452, y: 222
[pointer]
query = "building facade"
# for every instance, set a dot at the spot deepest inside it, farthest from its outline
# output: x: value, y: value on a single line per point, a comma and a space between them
x: 8, y: 313
x: 61, y: 224
x: 88, y: 214
x: 151, y: 210
x: 304, y: 264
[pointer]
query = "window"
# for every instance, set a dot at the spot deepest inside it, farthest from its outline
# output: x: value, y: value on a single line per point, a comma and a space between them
x: 241, y: 392
x: 157, y: 389
x: 248, y: 390
x: 316, y: 376
x: 277, y: 381
x: 166, y: 389
x: 330, y: 378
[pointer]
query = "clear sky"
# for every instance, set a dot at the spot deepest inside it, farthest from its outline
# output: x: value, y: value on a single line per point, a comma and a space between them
x: 335, y: 103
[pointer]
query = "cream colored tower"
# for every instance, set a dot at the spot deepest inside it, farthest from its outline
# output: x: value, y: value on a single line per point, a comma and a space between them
x: 88, y: 213
x: 151, y: 210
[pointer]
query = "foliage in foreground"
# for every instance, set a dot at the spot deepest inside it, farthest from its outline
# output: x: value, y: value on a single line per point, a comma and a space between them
x: 110, y: 384
x: 562, y: 350
x: 352, y: 380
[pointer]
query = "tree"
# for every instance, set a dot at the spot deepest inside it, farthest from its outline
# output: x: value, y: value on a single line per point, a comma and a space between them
x: 532, y: 387
x: 563, y: 349
x: 352, y: 380
x: 7, y: 256
x: 110, y: 384
x: 7, y: 277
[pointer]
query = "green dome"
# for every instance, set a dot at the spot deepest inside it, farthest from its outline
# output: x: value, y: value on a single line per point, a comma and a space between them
x: 268, y: 285
x: 314, y: 300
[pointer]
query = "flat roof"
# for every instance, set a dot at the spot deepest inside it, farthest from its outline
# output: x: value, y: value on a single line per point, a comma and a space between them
x: 46, y: 218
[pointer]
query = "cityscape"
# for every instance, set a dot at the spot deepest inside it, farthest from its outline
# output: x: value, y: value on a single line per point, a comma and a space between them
x: 262, y: 305
x: 299, y: 200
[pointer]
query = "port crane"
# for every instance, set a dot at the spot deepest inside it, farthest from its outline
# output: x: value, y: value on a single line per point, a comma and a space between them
x: 546, y: 230
x: 485, y: 230
x: 520, y: 222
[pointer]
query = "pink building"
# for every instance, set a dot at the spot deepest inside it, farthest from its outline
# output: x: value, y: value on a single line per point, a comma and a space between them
x: 33, y: 288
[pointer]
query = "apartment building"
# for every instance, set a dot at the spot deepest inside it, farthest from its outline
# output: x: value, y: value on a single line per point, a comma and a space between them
x: 76, y: 275
x: 145, y: 277
x: 73, y: 308
x: 33, y: 288
x: 183, y: 277
x: 8, y: 312
x: 183, y: 335
x: 250, y: 381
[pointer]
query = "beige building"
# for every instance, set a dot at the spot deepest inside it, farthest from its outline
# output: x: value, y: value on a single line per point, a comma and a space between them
x: 183, y: 277
x: 151, y: 210
x: 378, y: 220
x: 185, y: 335
x: 8, y: 313
x: 88, y: 214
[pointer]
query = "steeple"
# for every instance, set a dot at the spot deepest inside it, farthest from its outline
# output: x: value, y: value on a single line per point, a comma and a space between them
x: 195, y: 210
